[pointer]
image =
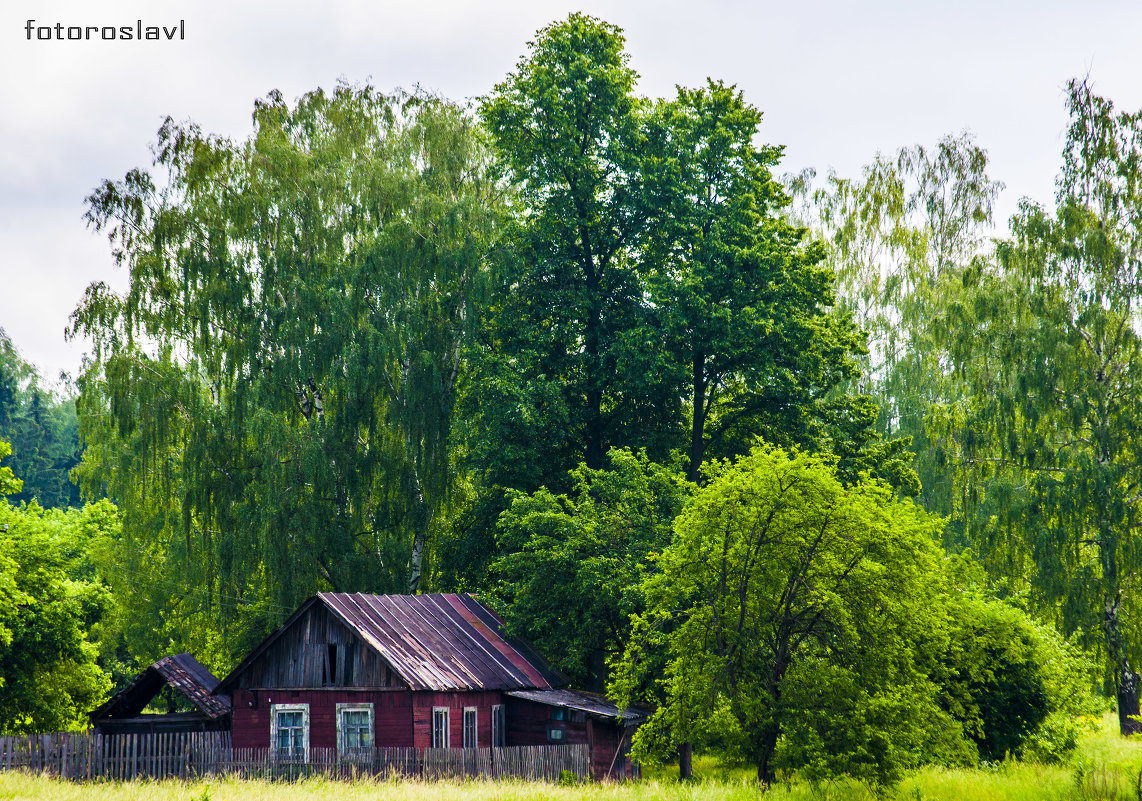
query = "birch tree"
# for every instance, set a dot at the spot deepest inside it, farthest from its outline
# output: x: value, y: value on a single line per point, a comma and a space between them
x: 270, y: 401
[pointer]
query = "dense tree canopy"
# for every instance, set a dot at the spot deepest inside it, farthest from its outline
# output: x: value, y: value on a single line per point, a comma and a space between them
x: 580, y: 352
x: 792, y: 610
x: 52, y: 607
x: 41, y: 427
x: 900, y: 239
x: 574, y: 357
x: 573, y: 565
x: 270, y: 401
x: 745, y: 309
x: 1049, y: 349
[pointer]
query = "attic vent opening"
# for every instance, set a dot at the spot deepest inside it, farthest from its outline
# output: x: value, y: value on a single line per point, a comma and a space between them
x: 329, y: 666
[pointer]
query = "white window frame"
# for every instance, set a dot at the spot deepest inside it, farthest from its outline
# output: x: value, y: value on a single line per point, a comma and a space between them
x: 440, y: 742
x: 475, y: 740
x: 499, y: 726
x: 304, y: 710
x: 355, y: 707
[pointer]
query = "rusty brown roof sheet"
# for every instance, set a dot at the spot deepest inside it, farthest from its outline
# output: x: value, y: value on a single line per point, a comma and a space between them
x: 182, y: 672
x: 442, y: 641
x: 593, y: 704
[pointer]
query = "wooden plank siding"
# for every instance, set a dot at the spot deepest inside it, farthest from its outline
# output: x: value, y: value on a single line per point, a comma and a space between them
x: 424, y: 702
x: 190, y: 755
x: 392, y: 715
x: 300, y: 657
x: 528, y: 723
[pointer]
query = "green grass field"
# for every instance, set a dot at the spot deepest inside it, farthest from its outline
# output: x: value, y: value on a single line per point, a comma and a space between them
x: 1106, y: 767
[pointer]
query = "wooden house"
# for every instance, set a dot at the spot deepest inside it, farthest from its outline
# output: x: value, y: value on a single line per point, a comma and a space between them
x: 184, y: 680
x: 350, y: 670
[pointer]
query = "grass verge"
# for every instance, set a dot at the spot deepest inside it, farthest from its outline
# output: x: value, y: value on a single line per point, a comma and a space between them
x: 1106, y: 767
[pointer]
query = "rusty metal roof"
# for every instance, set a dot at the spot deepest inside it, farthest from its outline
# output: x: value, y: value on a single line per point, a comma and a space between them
x: 182, y: 672
x: 442, y: 641
x: 593, y: 704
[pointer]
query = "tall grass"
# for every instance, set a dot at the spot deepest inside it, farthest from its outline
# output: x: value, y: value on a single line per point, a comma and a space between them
x: 1105, y: 768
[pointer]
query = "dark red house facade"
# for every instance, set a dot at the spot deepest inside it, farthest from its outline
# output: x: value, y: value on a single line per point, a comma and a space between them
x: 351, y: 670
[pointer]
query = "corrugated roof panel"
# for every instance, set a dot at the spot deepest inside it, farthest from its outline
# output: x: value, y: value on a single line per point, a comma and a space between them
x: 591, y: 703
x: 521, y: 662
x: 182, y: 672
x: 440, y: 641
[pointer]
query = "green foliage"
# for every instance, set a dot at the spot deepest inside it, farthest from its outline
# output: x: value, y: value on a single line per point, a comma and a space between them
x: 573, y: 566
x: 572, y: 366
x: 1049, y: 430
x: 42, y: 429
x: 746, y: 309
x: 901, y: 238
x: 271, y: 400
x: 52, y: 605
x: 1016, y: 686
x: 803, y: 608
x: 9, y: 484
x: 652, y: 297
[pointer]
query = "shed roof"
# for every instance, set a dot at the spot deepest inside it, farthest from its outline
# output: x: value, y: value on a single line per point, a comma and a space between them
x: 593, y: 704
x: 442, y: 641
x: 182, y: 672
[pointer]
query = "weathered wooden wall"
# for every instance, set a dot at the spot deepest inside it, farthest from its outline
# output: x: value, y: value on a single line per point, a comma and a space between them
x: 301, y: 658
x: 528, y: 724
x: 86, y: 756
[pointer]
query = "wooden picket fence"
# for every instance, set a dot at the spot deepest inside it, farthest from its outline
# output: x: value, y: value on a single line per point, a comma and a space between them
x: 90, y: 755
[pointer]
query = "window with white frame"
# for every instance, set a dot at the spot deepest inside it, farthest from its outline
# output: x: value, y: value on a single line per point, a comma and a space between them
x: 439, y: 727
x: 354, y: 727
x: 289, y: 730
x: 499, y: 738
x: 470, y: 727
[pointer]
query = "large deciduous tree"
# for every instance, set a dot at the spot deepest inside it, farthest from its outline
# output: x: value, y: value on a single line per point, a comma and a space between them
x: 747, y: 308
x: 790, y: 608
x: 1049, y: 349
x: 569, y: 337
x: 271, y: 399
x: 900, y: 238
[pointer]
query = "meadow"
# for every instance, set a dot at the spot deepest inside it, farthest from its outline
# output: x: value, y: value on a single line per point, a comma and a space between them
x: 1105, y: 766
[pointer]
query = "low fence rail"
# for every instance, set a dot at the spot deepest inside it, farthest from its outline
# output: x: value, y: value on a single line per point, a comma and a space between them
x: 89, y: 755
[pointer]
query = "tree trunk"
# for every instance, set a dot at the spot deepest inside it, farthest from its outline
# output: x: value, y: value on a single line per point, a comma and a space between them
x: 685, y: 761
x: 593, y: 452
x: 698, y: 422
x: 1126, y: 679
x: 768, y: 745
x: 1128, y: 685
x: 421, y: 519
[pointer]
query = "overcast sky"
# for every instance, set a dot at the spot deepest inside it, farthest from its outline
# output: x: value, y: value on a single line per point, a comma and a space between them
x: 837, y: 82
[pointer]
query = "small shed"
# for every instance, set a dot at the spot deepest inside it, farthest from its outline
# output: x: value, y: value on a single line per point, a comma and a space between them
x: 187, y: 678
x: 575, y: 716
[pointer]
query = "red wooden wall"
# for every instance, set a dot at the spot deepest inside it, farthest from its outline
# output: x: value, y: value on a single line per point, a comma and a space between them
x: 423, y: 702
x: 404, y: 718
x: 392, y: 715
x: 528, y: 723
